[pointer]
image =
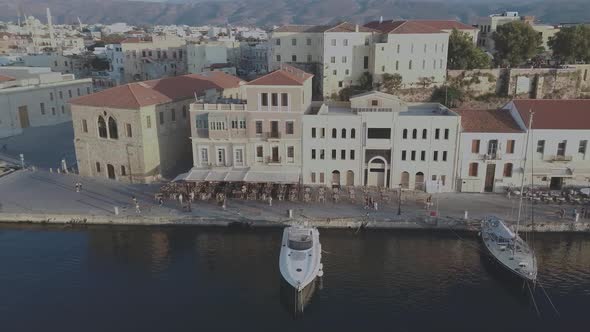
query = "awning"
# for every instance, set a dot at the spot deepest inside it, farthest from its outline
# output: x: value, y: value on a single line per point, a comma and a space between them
x: 273, y: 177
x: 553, y: 172
x: 259, y: 175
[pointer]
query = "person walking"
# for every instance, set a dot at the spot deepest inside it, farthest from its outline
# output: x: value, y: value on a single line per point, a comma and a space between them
x: 180, y: 199
x: 137, y: 210
x: 160, y: 201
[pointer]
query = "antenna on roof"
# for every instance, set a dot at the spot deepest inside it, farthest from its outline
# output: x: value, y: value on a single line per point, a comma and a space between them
x: 380, y: 19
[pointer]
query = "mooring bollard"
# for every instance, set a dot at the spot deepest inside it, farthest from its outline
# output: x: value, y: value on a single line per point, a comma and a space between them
x: 466, y: 216
x: 116, y: 210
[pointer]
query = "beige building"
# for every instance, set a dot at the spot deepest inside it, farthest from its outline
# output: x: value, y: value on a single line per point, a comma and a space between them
x: 32, y: 97
x: 139, y: 132
x: 257, y: 139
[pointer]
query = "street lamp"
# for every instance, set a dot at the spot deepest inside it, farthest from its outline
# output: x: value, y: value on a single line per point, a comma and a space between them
x: 399, y: 201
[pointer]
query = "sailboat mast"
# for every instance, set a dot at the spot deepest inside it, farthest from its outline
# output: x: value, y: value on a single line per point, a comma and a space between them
x: 526, y: 149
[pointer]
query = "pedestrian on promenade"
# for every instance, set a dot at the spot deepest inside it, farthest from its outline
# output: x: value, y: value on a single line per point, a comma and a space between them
x: 192, y: 195
x: 224, y: 206
x: 269, y: 200
x: 160, y: 201
x: 180, y: 199
x: 77, y: 186
x: 134, y: 200
x: 137, y: 210
x: 574, y: 213
x: 375, y: 206
x: 561, y: 213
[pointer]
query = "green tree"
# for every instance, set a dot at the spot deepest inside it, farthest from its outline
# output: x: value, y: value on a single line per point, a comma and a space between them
x: 366, y: 81
x: 448, y: 95
x: 516, y: 42
x: 463, y: 54
x: 572, y: 44
x: 390, y: 83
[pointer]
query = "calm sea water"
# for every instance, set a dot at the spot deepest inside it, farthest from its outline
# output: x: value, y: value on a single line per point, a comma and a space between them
x: 190, y: 279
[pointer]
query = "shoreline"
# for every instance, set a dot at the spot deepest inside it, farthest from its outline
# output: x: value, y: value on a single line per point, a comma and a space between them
x: 421, y: 223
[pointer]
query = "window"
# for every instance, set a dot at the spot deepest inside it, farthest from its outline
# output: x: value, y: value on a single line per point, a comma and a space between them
x: 342, y: 154
x: 290, y: 152
x: 366, y: 62
x: 582, y: 146
x: 173, y: 114
x: 42, y: 106
x: 374, y: 102
x: 284, y: 99
x: 51, y: 96
x: 446, y: 134
x: 184, y: 111
x: 403, y: 154
x: 53, y: 111
x: 84, y: 126
x: 443, y: 179
x: 161, y: 117
x: 97, y: 167
x: 333, y: 59
x: 323, y: 133
x: 102, y: 127
x: 239, y: 156
x: 333, y: 42
x: 510, y: 146
x: 435, y: 156
x: 382, y: 69
x: 128, y: 128
x: 70, y: 93
x: 414, y: 133
x: 405, y: 134
x: 148, y: 120
x: 322, y: 154
x: 345, y: 42
x: 278, y: 58
x: 313, y: 132
x: 258, y: 127
x: 425, y: 47
x: 423, y: 155
x: 308, y: 41
x: 424, y: 133
x: 340, y: 84
x: 508, y: 170
x: 437, y: 133
x: 410, y: 65
x: 113, y: 131
x: 204, y: 156
x: 344, y: 59
x: 221, y: 156
x: 434, y: 177
x: 413, y: 155
x: 444, y: 156
x: 61, y: 95
x: 88, y: 90
x: 63, y: 109
x: 333, y: 154
x: 294, y: 58
x: 353, y: 133
x: 423, y: 64
x: 294, y: 42
x: 561, y: 148
x: 313, y: 177
x: 541, y: 146
x: 274, y: 99
x: 278, y: 42
x: 334, y: 72
x: 313, y: 154
x: 264, y: 99
x: 352, y: 155
x: 123, y: 170
x: 242, y: 124
x: 259, y: 151
x: 343, y: 133
x: 475, y: 146
x: 347, y: 72
x: 379, y: 133
x: 78, y: 91
x: 398, y: 48
x: 289, y: 127
x: 322, y: 177
x: 473, y: 169
x: 334, y: 133
x: 396, y: 65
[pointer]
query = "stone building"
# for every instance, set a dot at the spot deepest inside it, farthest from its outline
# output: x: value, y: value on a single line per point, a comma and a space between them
x: 32, y: 97
x: 153, y: 58
x: 140, y: 132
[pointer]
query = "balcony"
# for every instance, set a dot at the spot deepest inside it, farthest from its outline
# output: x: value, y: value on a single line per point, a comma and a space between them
x: 559, y: 158
x: 272, y: 135
x: 490, y: 156
x: 273, y: 161
x: 218, y: 107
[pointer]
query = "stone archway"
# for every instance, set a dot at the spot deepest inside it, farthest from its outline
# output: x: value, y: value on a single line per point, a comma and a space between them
x: 419, y: 181
x: 336, y: 178
x: 350, y: 178
x: 111, y: 171
x: 377, y: 169
x: 405, y: 180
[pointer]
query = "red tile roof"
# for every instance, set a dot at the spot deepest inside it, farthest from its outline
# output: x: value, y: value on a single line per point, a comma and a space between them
x: 407, y: 26
x: 136, y: 95
x: 287, y: 75
x: 5, y: 78
x: 446, y: 24
x: 488, y: 121
x: 555, y: 113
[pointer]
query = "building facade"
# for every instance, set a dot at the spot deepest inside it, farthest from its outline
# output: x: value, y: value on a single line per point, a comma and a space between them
x: 32, y: 97
x: 153, y: 58
x: 139, y: 132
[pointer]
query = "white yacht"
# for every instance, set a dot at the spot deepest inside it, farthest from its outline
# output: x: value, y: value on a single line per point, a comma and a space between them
x: 508, y: 249
x: 300, y: 260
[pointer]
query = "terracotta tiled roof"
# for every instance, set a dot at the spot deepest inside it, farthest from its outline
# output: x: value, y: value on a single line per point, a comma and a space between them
x: 410, y: 27
x: 5, y: 78
x: 488, y: 121
x: 446, y: 24
x: 287, y: 75
x: 555, y: 113
x: 338, y: 27
x: 136, y: 95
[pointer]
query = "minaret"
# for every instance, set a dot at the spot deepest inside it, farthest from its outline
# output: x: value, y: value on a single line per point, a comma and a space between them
x: 50, y: 25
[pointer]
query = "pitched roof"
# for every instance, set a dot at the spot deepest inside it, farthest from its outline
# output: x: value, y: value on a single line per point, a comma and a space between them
x: 139, y: 94
x: 407, y: 26
x: 555, y: 113
x: 5, y: 78
x: 338, y: 27
x: 488, y: 121
x: 287, y: 75
x: 446, y: 24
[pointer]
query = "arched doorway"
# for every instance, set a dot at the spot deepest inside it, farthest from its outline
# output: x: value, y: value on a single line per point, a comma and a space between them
x: 377, y: 171
x: 405, y: 180
x: 336, y: 178
x: 419, y: 181
x: 350, y: 178
x: 111, y: 171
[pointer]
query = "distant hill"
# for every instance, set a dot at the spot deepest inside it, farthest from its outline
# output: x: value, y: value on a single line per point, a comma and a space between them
x: 269, y: 12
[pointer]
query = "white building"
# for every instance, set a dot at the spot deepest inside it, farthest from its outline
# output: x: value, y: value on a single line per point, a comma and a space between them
x: 31, y: 97
x: 378, y: 140
x: 491, y: 151
x: 200, y: 57
x: 488, y: 25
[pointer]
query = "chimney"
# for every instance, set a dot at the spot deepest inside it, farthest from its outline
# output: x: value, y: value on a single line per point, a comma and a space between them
x: 356, y: 28
x: 380, y: 19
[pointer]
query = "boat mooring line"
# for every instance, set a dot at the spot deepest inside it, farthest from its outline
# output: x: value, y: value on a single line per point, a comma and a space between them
x: 533, y: 298
x: 549, y: 299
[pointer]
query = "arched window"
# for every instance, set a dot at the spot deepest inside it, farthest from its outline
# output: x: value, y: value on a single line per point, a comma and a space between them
x: 352, y: 133
x: 113, y: 133
x: 343, y: 133
x: 405, y: 134
x: 415, y: 133
x: 424, y: 131
x: 334, y: 133
x: 102, y: 127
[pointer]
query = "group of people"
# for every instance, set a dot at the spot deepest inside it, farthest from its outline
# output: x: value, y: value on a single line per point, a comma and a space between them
x: 583, y: 213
